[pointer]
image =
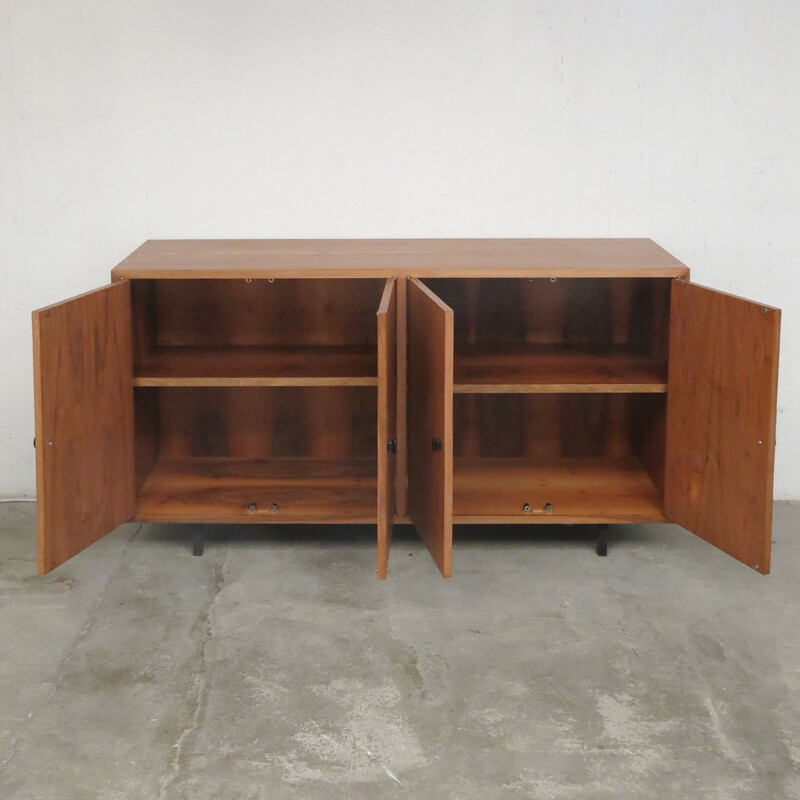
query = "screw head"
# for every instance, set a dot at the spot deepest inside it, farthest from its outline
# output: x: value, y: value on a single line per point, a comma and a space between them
x: 760, y: 442
x: 548, y: 507
x: 552, y: 280
x: 755, y: 566
x: 273, y: 507
x: 527, y: 508
x: 252, y: 506
x: 50, y: 444
x: 763, y: 310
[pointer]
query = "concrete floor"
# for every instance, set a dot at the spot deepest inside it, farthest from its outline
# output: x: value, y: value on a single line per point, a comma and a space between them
x: 276, y: 666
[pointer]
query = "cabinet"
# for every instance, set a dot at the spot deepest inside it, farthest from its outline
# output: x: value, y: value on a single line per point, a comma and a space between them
x: 437, y: 382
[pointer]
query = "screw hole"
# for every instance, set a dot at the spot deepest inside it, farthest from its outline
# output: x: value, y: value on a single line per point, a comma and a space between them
x: 552, y: 280
x: 273, y: 507
x: 248, y: 280
x: 270, y: 280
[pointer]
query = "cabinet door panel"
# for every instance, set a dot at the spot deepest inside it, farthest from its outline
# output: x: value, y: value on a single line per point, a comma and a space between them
x: 83, y: 384
x: 721, y: 408
x: 387, y: 420
x: 430, y: 422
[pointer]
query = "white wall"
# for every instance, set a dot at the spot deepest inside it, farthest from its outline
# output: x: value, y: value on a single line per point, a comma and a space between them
x: 124, y: 121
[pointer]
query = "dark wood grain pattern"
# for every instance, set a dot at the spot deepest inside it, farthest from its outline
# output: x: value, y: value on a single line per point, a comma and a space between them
x: 430, y: 416
x: 721, y: 408
x: 337, y: 423
x: 561, y: 490
x: 387, y: 421
x: 84, y: 421
x: 278, y: 490
x: 545, y: 426
x: 347, y: 258
x: 263, y: 313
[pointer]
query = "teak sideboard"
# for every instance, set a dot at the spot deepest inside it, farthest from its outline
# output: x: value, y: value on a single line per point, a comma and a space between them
x: 437, y: 382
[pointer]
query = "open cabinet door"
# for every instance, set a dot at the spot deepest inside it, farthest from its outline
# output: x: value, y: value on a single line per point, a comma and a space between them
x: 83, y: 386
x: 430, y: 422
x: 387, y: 420
x: 721, y: 408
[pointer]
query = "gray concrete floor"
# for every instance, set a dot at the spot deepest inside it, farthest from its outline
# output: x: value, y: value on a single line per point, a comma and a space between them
x: 276, y: 666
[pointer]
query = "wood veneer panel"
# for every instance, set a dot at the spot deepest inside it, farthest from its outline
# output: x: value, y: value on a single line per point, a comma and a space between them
x: 206, y: 258
x: 401, y: 473
x: 282, y: 490
x: 546, y: 426
x: 342, y: 365
x: 84, y: 421
x: 387, y: 421
x: 336, y: 423
x: 579, y: 490
x: 430, y: 416
x: 284, y: 313
x: 721, y: 408
x: 555, y: 369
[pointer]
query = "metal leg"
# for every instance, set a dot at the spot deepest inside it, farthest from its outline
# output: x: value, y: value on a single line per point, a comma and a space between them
x: 197, y: 547
x: 602, y: 540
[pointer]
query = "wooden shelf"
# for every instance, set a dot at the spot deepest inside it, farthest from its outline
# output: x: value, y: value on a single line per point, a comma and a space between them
x: 224, y: 489
x: 259, y: 366
x: 554, y: 369
x: 579, y: 490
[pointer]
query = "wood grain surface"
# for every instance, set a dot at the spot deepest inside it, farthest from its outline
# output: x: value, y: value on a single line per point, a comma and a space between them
x: 277, y: 490
x: 555, y: 369
x: 430, y: 416
x: 387, y: 421
x: 577, y: 490
x: 314, y: 258
x: 310, y: 365
x: 84, y: 421
x: 336, y: 423
x: 721, y: 409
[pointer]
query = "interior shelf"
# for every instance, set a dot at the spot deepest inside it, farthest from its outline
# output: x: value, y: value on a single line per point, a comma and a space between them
x: 286, y: 490
x: 344, y: 365
x: 578, y: 490
x: 555, y: 369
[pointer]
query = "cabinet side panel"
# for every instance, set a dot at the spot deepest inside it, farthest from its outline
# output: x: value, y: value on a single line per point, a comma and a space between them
x: 83, y: 382
x: 721, y: 408
x: 430, y: 417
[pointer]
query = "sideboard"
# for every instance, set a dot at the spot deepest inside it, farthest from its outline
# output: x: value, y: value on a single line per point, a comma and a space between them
x: 436, y: 382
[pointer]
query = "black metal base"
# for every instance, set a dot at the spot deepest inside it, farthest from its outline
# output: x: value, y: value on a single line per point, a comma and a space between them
x: 602, y: 540
x: 197, y: 546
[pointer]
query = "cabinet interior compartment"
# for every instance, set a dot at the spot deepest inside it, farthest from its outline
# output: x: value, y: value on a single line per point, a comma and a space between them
x: 568, y: 335
x: 259, y: 332
x: 256, y: 454
x: 584, y: 458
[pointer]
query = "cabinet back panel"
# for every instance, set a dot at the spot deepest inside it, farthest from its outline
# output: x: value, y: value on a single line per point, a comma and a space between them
x: 546, y: 426
x: 258, y: 313
x: 322, y: 423
x: 588, y: 311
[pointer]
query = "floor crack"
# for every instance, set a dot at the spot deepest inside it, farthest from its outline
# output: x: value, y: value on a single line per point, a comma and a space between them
x: 198, y: 688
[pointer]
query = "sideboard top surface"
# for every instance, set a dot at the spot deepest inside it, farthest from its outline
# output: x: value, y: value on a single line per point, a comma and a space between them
x: 422, y: 258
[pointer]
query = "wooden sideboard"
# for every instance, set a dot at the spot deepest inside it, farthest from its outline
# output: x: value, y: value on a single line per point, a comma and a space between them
x: 437, y: 382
